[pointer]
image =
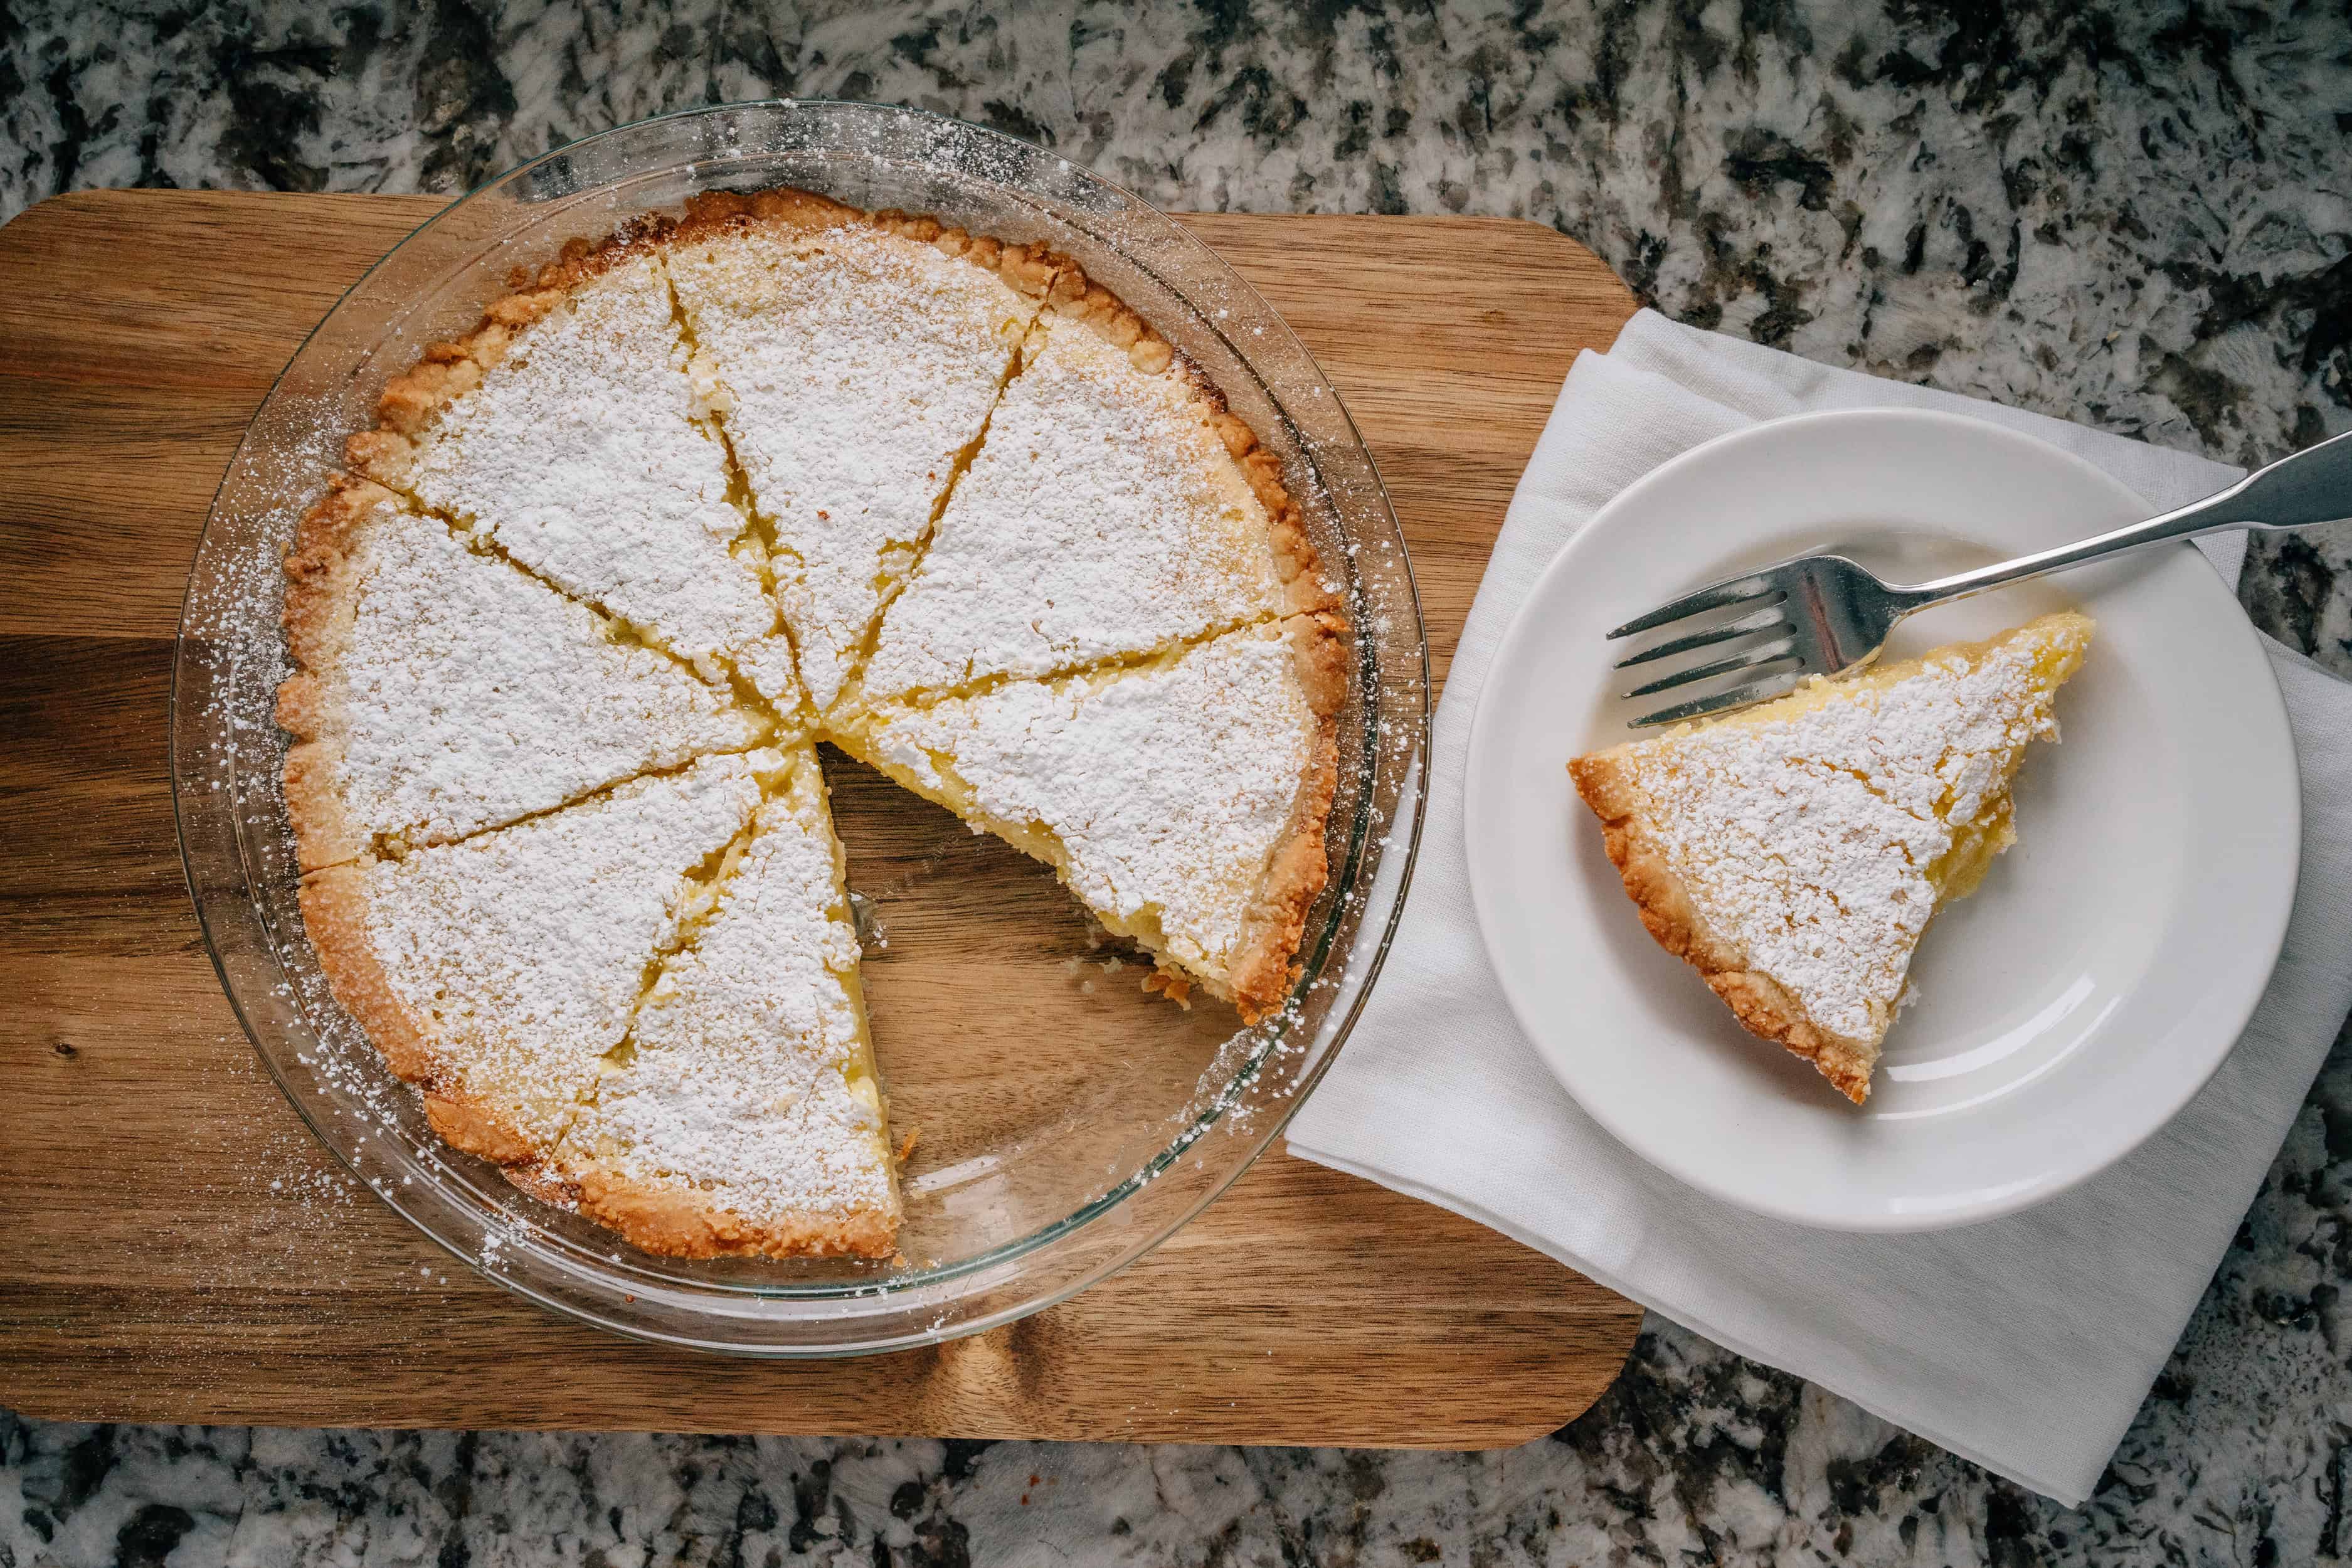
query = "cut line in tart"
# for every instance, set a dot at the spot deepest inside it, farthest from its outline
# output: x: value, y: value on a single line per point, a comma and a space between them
x: 852, y: 361
x: 565, y: 431
x: 610, y: 564
x: 1794, y: 853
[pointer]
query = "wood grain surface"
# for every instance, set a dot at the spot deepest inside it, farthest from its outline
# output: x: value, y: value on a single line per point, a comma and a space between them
x: 175, y: 1247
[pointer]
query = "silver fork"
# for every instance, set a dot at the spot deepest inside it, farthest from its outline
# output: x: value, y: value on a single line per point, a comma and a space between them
x: 1821, y: 614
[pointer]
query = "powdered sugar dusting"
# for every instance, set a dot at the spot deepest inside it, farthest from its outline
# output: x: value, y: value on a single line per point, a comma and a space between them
x: 1169, y: 786
x: 855, y: 364
x: 749, y: 1083
x: 464, y: 694
x: 526, y: 947
x: 1807, y: 840
x: 768, y: 665
x: 1102, y: 518
x: 580, y: 454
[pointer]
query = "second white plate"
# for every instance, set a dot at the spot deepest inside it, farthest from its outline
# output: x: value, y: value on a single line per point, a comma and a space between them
x: 2064, y: 1011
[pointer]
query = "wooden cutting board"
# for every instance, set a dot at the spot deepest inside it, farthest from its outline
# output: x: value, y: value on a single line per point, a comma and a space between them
x: 175, y: 1245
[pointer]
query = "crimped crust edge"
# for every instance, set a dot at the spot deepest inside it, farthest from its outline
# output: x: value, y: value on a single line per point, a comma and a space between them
x: 1267, y: 963
x: 681, y: 1223
x: 317, y: 612
x: 1029, y: 269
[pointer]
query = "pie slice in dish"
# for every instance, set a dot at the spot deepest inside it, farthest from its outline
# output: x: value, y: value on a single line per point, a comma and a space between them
x: 497, y: 972
x: 1795, y: 852
x: 440, y: 691
x: 1115, y: 509
x: 1183, y: 800
x: 743, y: 1114
x: 854, y: 358
x: 566, y: 432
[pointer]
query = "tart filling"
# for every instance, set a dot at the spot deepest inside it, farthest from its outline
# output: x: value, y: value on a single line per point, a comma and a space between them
x: 1181, y: 800
x: 497, y: 972
x: 743, y: 1114
x: 853, y: 363
x: 564, y: 431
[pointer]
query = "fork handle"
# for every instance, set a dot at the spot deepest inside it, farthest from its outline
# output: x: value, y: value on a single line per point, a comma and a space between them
x: 2313, y: 486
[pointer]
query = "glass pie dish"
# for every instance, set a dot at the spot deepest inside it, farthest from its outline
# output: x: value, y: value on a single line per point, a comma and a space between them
x: 1066, y: 1122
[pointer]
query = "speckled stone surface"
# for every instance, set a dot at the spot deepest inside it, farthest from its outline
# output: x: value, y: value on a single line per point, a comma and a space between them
x: 2139, y: 216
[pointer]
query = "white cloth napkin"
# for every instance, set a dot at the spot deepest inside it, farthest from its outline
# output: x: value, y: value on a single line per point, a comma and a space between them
x: 2026, y: 1344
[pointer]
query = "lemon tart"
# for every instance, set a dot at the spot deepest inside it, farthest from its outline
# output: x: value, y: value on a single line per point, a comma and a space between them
x: 1794, y: 853
x: 609, y: 565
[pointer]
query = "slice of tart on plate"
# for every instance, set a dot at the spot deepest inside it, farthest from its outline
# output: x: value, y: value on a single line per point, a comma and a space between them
x: 1794, y: 853
x: 2052, y: 1020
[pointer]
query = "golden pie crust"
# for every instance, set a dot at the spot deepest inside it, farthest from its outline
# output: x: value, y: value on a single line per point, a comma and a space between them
x: 674, y: 1223
x: 1266, y: 965
x: 317, y: 616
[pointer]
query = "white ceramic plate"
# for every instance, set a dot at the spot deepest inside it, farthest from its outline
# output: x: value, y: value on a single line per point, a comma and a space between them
x: 2066, y: 1010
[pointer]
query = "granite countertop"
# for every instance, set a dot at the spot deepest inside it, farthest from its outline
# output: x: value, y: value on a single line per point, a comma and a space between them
x: 2135, y: 215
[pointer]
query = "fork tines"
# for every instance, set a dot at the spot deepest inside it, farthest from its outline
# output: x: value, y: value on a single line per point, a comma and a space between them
x: 1769, y: 620
x: 1715, y: 596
